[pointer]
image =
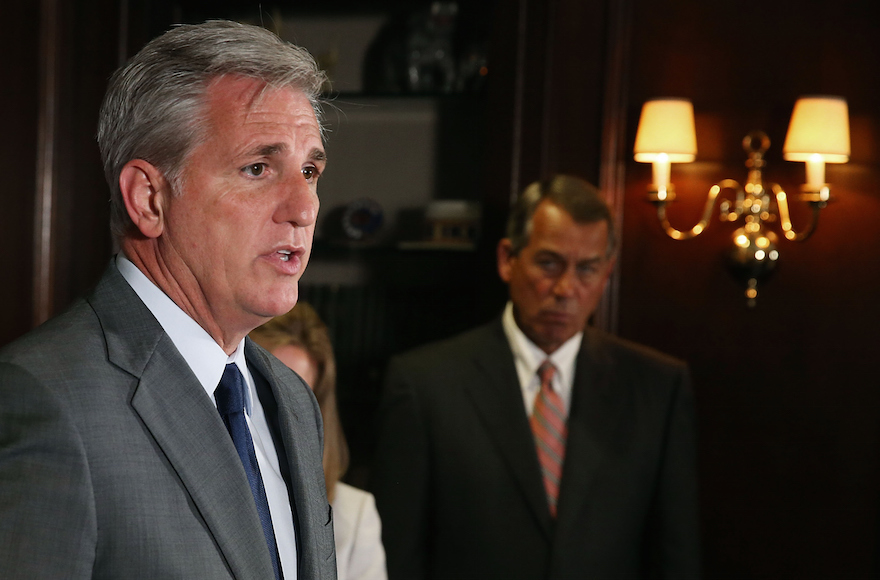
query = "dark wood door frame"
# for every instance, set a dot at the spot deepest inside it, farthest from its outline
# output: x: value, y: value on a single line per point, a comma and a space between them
x: 559, y: 106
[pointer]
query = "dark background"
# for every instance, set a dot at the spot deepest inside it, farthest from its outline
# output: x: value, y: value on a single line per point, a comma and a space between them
x: 786, y: 393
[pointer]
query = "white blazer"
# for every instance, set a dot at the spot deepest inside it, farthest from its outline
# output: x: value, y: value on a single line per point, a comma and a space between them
x: 358, y: 531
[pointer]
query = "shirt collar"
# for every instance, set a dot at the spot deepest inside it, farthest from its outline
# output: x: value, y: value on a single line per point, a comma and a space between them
x: 530, y: 355
x: 205, y: 357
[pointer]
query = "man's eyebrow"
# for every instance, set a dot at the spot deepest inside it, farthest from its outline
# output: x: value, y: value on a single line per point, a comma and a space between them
x: 557, y: 256
x: 268, y: 150
x: 549, y: 254
x: 318, y: 155
x: 278, y: 148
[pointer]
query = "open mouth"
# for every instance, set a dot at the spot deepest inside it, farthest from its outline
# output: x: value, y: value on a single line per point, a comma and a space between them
x: 285, y: 255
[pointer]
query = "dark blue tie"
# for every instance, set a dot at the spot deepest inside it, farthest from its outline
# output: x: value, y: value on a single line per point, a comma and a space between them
x: 230, y: 403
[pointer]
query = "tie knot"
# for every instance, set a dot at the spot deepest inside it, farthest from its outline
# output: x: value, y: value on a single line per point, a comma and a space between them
x: 546, y: 372
x: 229, y: 394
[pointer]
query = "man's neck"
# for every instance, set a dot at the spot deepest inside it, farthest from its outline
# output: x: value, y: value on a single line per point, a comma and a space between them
x: 144, y: 254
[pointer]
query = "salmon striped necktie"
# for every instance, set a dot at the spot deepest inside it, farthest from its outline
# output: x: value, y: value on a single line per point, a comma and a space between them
x: 548, y: 426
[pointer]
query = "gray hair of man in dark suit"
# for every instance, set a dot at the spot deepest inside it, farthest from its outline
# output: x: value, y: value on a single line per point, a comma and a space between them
x: 579, y: 198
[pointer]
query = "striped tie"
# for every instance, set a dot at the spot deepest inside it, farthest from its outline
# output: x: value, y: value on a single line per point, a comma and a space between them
x: 548, y: 426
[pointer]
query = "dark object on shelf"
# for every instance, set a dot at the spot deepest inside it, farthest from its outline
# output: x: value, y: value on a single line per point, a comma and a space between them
x: 415, y: 53
x: 356, y: 223
x: 361, y: 219
x: 473, y: 69
x: 429, y: 49
x: 450, y: 224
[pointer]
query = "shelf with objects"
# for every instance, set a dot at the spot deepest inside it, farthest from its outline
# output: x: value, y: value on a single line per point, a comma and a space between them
x: 395, y: 259
x: 395, y: 242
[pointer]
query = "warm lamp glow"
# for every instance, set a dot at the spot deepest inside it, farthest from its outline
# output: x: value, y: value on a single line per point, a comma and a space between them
x: 666, y: 126
x: 819, y: 131
x: 818, y: 134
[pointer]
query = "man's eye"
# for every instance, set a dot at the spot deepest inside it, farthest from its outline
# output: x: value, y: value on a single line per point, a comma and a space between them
x: 255, y: 169
x: 310, y: 173
x: 549, y: 266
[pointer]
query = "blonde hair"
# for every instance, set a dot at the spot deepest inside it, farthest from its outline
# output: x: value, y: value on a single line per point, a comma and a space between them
x: 302, y: 327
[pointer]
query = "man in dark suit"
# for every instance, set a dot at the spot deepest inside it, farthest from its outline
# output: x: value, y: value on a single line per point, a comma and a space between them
x: 141, y: 434
x: 536, y: 447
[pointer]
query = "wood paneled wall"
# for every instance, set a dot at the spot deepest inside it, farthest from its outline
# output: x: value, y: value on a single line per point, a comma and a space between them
x: 55, y: 240
x: 18, y: 164
x: 787, y: 398
x: 787, y: 394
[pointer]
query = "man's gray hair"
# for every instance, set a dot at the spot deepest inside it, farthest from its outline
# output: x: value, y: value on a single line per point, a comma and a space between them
x: 154, y: 106
x: 579, y: 198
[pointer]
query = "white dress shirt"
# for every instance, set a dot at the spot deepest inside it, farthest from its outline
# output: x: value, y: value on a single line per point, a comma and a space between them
x: 529, y: 357
x: 208, y: 361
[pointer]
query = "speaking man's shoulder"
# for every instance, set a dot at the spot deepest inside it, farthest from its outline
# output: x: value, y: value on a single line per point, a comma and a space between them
x: 69, y: 336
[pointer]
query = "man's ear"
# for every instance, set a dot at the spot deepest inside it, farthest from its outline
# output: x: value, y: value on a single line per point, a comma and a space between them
x: 505, y: 255
x: 145, y: 192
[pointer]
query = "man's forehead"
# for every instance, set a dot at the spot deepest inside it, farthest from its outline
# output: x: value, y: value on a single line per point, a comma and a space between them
x: 235, y: 87
x: 571, y: 252
x: 566, y: 237
x: 248, y: 93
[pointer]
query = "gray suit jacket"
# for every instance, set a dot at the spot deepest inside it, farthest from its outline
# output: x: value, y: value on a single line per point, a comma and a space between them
x: 459, y: 488
x: 115, y: 464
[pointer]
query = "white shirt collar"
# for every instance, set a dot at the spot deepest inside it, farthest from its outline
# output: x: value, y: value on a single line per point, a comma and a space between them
x: 203, y: 355
x: 528, y: 357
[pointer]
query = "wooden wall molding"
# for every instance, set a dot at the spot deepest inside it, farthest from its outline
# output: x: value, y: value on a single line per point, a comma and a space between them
x: 45, y: 195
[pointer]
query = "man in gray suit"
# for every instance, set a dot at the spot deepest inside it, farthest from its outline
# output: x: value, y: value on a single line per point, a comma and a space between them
x: 536, y: 447
x: 114, y: 459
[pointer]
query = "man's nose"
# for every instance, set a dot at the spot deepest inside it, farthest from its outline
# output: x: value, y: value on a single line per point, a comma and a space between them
x: 299, y: 202
x: 564, y: 285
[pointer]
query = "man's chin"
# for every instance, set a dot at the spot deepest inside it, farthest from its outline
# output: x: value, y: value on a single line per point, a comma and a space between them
x: 280, y: 305
x: 554, y: 336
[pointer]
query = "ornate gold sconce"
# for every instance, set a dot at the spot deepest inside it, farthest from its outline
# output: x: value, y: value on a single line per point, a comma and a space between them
x: 817, y: 134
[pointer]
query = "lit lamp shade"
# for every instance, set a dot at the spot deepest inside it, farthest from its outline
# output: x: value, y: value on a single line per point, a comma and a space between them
x: 819, y: 126
x: 818, y: 134
x: 665, y: 135
x: 666, y: 126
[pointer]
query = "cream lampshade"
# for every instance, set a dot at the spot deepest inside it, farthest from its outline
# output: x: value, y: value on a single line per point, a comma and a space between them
x: 818, y: 134
x: 666, y: 135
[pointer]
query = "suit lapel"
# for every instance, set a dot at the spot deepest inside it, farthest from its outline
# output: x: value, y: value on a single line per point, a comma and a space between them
x: 296, y: 434
x: 498, y: 401
x: 593, y: 423
x: 180, y: 417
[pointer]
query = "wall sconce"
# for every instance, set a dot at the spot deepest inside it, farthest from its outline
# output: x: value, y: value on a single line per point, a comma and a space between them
x: 817, y: 134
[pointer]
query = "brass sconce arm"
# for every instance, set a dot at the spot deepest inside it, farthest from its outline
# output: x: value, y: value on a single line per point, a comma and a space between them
x: 708, y: 210
x: 817, y: 201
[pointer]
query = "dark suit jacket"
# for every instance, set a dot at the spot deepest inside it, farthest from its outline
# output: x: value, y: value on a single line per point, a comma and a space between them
x: 459, y: 489
x: 115, y: 464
